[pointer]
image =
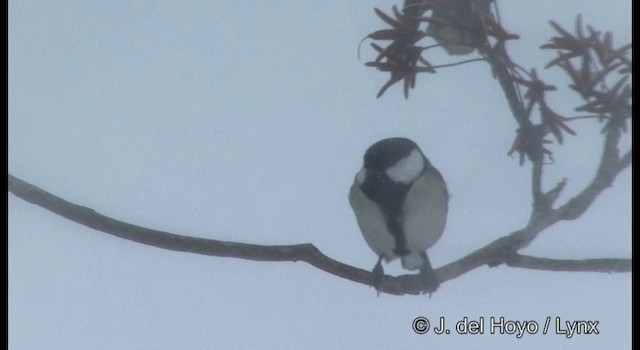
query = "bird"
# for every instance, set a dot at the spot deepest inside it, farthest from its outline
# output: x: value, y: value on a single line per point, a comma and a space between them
x: 400, y: 201
x: 457, y: 35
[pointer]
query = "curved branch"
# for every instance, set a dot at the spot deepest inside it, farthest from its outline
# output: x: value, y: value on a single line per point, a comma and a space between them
x: 165, y: 240
x: 542, y: 216
x: 495, y: 253
x: 587, y: 265
x: 610, y: 166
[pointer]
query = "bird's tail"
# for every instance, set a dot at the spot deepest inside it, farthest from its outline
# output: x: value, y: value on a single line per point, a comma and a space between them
x: 414, y: 261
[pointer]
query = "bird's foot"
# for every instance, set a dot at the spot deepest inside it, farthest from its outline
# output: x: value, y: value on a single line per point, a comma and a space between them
x: 428, y: 279
x: 378, y: 274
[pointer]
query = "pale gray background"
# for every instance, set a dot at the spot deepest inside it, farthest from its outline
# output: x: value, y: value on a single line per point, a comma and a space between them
x: 246, y: 121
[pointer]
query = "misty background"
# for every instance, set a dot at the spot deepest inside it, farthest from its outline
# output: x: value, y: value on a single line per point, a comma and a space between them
x: 247, y: 121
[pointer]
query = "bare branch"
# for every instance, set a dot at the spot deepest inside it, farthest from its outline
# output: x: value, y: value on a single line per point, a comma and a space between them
x: 457, y: 63
x: 500, y: 67
x: 90, y: 218
x: 539, y: 204
x: 586, y: 265
x: 495, y: 253
x: 610, y: 166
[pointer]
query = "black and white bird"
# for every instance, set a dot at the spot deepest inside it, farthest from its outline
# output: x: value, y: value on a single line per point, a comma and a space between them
x: 401, y: 202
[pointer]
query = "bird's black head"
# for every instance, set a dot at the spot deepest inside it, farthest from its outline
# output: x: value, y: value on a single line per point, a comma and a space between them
x: 386, y: 153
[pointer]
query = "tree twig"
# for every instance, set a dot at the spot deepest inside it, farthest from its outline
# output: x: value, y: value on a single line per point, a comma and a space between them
x: 590, y: 265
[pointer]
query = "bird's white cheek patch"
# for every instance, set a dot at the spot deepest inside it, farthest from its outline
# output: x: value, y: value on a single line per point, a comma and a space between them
x: 407, y: 169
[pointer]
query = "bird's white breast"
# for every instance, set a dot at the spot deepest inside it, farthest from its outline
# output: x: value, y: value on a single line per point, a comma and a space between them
x: 425, y: 212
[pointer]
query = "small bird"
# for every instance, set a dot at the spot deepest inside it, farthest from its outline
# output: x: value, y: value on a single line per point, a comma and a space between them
x: 457, y: 35
x: 401, y: 202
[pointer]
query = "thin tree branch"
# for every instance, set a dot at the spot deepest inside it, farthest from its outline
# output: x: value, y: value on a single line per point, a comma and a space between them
x: 500, y: 68
x: 457, y: 63
x: 542, y: 215
x: 540, y: 206
x: 495, y: 253
x: 587, y: 265
x: 610, y: 166
x: 165, y: 240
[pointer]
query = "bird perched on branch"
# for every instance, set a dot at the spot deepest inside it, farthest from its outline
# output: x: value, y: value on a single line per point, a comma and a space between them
x: 461, y: 31
x: 400, y: 201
